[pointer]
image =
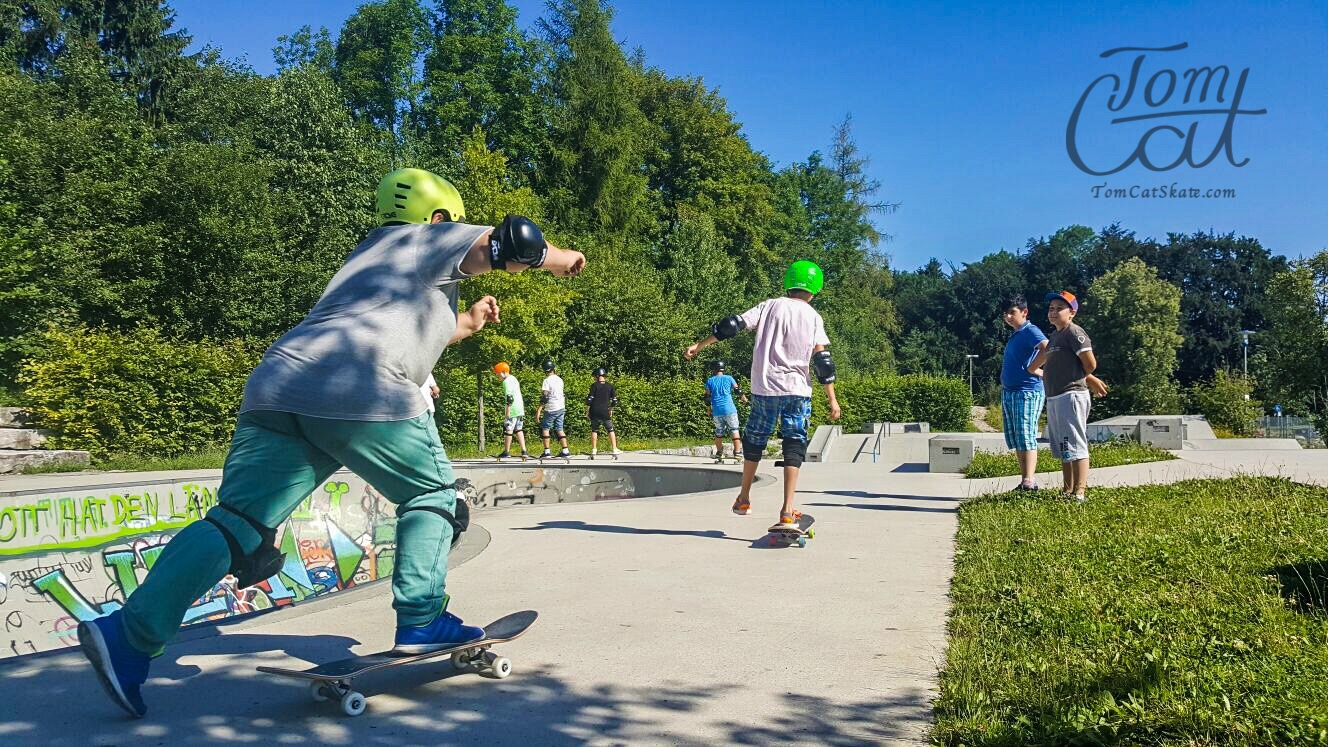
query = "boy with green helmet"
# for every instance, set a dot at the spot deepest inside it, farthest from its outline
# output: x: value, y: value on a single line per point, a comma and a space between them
x: 342, y: 389
x: 790, y: 346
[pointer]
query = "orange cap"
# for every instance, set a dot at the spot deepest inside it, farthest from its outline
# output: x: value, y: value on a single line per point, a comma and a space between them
x: 501, y: 367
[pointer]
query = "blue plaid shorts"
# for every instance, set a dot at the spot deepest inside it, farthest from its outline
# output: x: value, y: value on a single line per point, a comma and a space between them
x: 790, y: 413
x: 1019, y: 415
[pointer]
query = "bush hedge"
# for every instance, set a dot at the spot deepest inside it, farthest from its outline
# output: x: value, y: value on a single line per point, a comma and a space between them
x: 675, y: 407
x: 135, y: 392
x: 139, y: 392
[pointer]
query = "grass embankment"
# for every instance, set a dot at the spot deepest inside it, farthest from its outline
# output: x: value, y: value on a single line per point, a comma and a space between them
x: 214, y: 458
x: 1186, y: 614
x: 1109, y: 454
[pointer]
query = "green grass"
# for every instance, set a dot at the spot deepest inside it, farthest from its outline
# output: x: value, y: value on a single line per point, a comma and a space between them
x: 1184, y: 614
x: 995, y: 418
x: 214, y: 458
x: 1109, y: 454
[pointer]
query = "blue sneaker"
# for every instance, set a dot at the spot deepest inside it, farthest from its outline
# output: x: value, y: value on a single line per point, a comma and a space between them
x: 121, y: 668
x: 446, y: 631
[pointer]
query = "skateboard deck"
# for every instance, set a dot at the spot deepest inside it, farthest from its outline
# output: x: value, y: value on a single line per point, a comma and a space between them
x: 787, y: 536
x: 332, y: 681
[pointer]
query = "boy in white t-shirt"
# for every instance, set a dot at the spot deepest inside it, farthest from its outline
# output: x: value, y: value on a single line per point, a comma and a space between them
x: 552, y: 411
x: 789, y: 335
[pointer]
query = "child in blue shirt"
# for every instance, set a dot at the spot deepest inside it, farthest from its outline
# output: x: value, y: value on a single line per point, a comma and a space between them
x: 1022, y: 394
x: 720, y: 389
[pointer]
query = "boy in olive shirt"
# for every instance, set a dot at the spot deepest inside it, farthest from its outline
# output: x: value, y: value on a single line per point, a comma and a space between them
x: 1068, y: 363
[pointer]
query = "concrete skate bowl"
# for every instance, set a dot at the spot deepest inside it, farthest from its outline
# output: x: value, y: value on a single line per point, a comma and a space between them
x: 75, y: 548
x: 503, y: 485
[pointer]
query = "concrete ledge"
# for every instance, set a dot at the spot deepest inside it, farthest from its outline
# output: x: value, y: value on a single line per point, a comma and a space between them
x: 818, y: 450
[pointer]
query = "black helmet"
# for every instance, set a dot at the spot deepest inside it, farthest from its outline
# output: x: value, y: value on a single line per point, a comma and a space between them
x: 601, y: 372
x: 717, y: 365
x: 548, y: 364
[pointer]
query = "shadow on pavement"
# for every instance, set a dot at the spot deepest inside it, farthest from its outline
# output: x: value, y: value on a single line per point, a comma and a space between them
x: 887, y: 507
x: 616, y: 529
x: 892, y: 496
x: 57, y: 701
x: 912, y: 467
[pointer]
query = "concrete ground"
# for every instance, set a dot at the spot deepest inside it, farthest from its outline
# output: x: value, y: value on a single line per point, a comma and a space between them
x: 662, y: 621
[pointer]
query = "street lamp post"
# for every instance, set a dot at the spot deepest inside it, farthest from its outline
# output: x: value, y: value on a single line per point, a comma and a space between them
x: 1245, y: 359
x: 970, y: 358
x: 1245, y: 345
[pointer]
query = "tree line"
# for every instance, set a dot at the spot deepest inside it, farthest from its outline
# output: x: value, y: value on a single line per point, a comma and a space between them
x: 143, y: 187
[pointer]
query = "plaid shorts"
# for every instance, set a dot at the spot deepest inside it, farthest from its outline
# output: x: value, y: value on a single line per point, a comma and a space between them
x: 1020, y: 412
x: 789, y: 412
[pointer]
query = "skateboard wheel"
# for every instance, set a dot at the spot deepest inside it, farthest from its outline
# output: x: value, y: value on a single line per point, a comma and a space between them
x: 501, y: 668
x: 802, y: 542
x: 318, y: 691
x: 461, y: 660
x: 811, y: 532
x: 352, y: 703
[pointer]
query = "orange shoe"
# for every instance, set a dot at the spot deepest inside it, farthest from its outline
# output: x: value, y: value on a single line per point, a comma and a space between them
x: 741, y: 507
x: 790, y: 520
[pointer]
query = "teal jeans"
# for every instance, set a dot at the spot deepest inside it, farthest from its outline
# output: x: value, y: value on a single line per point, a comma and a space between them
x: 276, y: 460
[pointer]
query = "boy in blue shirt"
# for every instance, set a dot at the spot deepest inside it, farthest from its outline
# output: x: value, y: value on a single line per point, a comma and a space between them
x: 1022, y: 394
x: 720, y: 389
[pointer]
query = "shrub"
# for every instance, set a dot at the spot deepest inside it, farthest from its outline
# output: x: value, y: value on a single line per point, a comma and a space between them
x: 1225, y: 402
x: 134, y: 392
x: 673, y: 407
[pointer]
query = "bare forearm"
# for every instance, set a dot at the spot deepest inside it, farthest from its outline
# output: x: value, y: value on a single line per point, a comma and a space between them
x: 465, y: 328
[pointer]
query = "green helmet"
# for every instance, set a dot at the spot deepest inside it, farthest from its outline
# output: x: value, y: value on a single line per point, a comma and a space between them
x: 412, y: 195
x: 805, y: 275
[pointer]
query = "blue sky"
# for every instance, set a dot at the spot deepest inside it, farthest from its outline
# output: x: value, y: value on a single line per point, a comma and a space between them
x: 963, y: 107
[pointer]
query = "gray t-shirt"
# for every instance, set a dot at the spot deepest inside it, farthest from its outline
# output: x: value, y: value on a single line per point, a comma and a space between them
x: 375, y: 334
x: 1063, y: 371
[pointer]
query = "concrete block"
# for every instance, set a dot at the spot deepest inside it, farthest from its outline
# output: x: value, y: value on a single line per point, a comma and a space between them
x: 22, y: 438
x: 13, y: 461
x: 1164, y: 433
x: 949, y: 453
x: 13, y: 417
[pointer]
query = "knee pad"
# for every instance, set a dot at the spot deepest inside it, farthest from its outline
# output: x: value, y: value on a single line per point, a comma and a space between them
x: 459, y: 517
x: 752, y: 452
x: 249, y: 568
x: 795, y: 453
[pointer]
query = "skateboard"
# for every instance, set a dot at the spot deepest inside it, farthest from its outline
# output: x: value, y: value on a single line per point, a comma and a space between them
x: 727, y: 460
x: 564, y: 458
x: 787, y: 536
x: 522, y: 457
x: 332, y: 681
x: 608, y: 455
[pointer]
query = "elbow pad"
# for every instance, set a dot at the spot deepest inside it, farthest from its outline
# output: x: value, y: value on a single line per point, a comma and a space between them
x: 824, y: 366
x: 728, y: 328
x: 590, y: 398
x: 544, y: 398
x: 613, y: 402
x: 517, y: 239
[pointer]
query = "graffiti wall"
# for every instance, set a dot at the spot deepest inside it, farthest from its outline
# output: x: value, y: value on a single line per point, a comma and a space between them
x: 71, y: 556
x: 77, y: 553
